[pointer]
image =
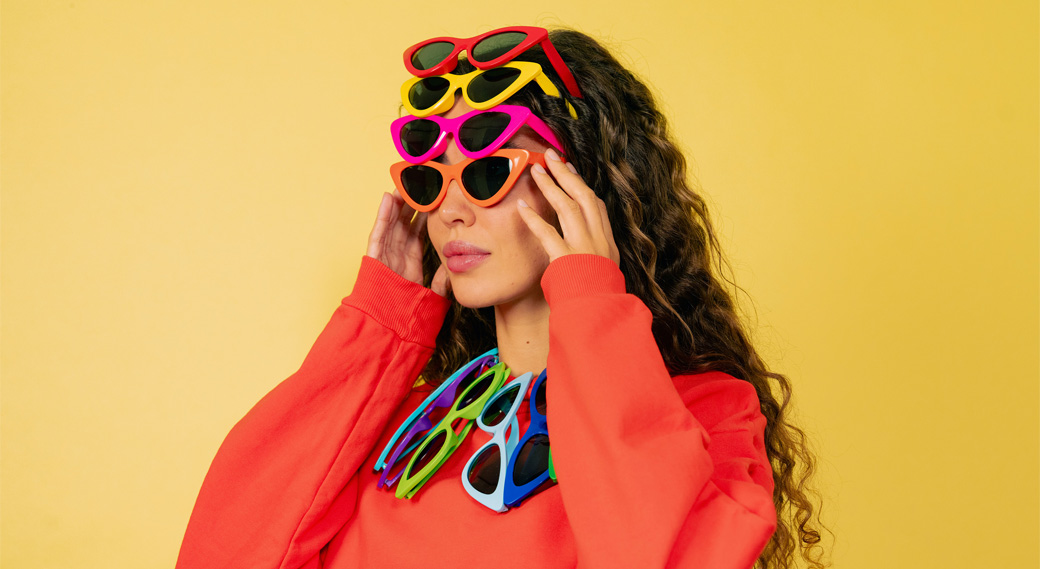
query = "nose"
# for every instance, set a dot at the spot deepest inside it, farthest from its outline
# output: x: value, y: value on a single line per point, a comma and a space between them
x: 456, y: 208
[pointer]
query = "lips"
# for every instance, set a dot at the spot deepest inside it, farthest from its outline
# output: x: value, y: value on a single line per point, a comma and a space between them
x: 460, y: 256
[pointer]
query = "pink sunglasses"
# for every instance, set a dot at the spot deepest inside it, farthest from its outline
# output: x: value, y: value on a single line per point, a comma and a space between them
x: 477, y: 133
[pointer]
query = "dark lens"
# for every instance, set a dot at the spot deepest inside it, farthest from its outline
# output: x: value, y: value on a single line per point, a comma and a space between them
x: 427, y: 92
x: 429, y: 451
x: 485, y: 177
x: 431, y: 54
x: 497, y: 45
x: 422, y: 183
x: 533, y: 460
x: 479, y: 131
x: 479, y: 388
x: 490, y: 83
x: 483, y: 475
x: 498, y: 407
x: 539, y: 397
x: 418, y: 136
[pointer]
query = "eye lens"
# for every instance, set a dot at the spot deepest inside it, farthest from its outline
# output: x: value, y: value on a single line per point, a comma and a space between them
x: 498, y: 407
x: 539, y: 398
x: 428, y: 452
x: 419, y: 136
x: 480, y: 131
x: 497, y: 45
x: 425, y: 94
x: 486, y: 177
x: 429, y: 55
x: 490, y: 84
x: 484, y: 473
x: 421, y: 183
x: 533, y: 460
x: 478, y: 389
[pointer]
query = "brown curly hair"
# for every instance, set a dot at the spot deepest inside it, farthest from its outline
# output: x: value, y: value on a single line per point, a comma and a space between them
x: 671, y: 259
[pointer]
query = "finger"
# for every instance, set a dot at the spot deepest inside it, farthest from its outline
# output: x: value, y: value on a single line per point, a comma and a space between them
x: 376, y: 236
x: 546, y: 234
x: 400, y: 229
x: 441, y: 283
x: 568, y: 212
x: 575, y: 187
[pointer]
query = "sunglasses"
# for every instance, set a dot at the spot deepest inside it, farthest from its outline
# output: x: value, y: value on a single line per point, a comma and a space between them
x: 529, y: 466
x: 481, y: 89
x: 420, y: 422
x: 478, y: 364
x: 484, y: 475
x: 442, y: 441
x: 440, y: 55
x: 485, y: 181
x: 477, y: 133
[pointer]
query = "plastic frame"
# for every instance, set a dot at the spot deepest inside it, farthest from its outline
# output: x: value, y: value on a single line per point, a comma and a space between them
x: 515, y: 494
x: 518, y: 117
x: 529, y: 71
x: 535, y: 36
x: 521, y: 159
x: 411, y: 480
x: 499, y: 438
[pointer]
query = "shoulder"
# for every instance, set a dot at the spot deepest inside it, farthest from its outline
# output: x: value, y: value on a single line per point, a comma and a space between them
x: 716, y: 397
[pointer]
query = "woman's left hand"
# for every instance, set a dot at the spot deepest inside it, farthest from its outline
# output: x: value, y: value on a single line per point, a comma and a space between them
x: 582, y: 215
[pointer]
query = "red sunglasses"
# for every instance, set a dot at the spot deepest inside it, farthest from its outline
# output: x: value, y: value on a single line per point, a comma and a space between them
x: 438, y: 56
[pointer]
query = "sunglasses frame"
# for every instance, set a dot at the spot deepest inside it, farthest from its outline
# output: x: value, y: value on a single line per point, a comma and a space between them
x: 521, y: 160
x: 506, y: 444
x: 420, y: 420
x: 515, y: 494
x: 535, y: 36
x: 518, y: 117
x: 490, y: 356
x: 529, y: 71
x: 411, y: 482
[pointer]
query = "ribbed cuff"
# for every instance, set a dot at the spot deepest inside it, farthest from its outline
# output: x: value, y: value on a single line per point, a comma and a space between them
x: 413, y: 311
x: 581, y: 275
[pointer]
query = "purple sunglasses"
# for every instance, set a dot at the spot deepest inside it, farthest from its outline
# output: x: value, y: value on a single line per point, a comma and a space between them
x: 423, y: 424
x: 477, y: 133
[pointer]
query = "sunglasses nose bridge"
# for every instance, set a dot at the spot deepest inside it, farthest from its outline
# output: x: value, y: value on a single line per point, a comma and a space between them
x: 456, y: 207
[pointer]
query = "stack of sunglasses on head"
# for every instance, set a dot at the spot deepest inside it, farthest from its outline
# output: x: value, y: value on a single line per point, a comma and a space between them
x: 509, y: 467
x: 488, y: 171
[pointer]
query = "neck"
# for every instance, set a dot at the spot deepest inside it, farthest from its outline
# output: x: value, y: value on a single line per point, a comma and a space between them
x: 523, y: 336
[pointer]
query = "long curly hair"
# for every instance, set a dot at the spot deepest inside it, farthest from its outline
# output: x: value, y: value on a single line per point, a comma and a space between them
x: 671, y: 259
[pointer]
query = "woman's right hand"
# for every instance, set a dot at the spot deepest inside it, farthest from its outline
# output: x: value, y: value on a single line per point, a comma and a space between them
x: 397, y: 242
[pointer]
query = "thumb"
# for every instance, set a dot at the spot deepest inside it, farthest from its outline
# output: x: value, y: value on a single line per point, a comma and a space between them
x: 441, y: 283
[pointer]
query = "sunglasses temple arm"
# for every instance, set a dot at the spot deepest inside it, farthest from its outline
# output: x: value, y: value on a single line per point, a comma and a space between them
x: 561, y: 68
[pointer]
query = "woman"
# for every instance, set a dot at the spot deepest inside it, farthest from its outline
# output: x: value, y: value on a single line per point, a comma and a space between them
x: 600, y: 268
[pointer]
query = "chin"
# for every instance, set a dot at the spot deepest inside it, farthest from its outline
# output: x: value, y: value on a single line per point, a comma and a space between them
x: 473, y: 299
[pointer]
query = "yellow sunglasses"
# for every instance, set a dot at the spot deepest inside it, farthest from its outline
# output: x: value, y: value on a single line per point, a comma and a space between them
x: 481, y: 89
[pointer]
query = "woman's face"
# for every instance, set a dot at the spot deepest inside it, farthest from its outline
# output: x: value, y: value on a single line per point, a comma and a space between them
x: 492, y: 257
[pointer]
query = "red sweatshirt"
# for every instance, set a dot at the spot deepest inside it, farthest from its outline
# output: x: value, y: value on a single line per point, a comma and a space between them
x: 653, y: 470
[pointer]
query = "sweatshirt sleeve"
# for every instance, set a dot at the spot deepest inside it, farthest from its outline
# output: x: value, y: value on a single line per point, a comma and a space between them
x: 654, y: 471
x: 284, y: 480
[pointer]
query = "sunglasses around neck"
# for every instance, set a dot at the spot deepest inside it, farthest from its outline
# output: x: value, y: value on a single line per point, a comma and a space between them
x: 481, y: 89
x: 437, y: 56
x: 484, y: 181
x: 444, y: 438
x: 477, y: 133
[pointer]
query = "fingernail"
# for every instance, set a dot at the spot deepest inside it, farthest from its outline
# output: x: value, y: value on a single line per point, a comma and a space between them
x: 572, y: 168
x: 522, y: 203
x: 552, y: 155
x: 538, y: 168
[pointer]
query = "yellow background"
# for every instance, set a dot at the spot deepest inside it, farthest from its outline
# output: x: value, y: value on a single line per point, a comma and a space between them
x: 187, y: 189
